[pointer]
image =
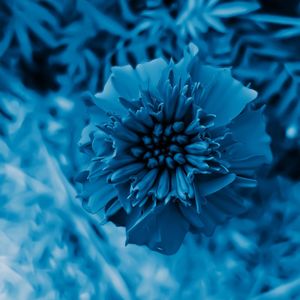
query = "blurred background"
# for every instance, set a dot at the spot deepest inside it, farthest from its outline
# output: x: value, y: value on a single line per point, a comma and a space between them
x: 51, y: 52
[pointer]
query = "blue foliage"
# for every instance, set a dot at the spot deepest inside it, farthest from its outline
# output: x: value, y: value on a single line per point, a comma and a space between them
x: 55, y: 55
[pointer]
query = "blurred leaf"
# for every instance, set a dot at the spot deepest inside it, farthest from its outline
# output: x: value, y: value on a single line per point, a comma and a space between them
x: 233, y: 9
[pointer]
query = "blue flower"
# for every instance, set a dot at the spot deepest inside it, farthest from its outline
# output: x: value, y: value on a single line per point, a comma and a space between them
x: 172, y: 147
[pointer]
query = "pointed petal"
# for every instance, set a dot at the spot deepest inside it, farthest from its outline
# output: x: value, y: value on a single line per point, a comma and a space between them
x: 123, y: 174
x: 197, y: 161
x: 199, y: 197
x: 123, y: 190
x: 101, y: 194
x: 163, y: 186
x: 197, y: 148
x: 182, y: 184
x: 209, y: 184
x: 145, y: 183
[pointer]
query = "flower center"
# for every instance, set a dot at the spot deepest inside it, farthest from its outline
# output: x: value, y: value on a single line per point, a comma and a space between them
x: 164, y: 146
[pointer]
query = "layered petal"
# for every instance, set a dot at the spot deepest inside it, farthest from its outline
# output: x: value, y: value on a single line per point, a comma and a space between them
x: 162, y: 229
x: 223, y: 96
x: 249, y: 132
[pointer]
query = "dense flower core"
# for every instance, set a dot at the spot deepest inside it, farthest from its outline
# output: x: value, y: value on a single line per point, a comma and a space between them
x: 163, y: 141
x: 166, y: 145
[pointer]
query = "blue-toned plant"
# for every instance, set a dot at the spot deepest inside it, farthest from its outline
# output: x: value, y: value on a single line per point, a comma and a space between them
x: 281, y: 97
x: 172, y: 148
x: 24, y: 22
x: 89, y: 31
x: 255, y: 254
x: 50, y: 248
x: 163, y: 29
x: 54, y: 113
x: 195, y: 17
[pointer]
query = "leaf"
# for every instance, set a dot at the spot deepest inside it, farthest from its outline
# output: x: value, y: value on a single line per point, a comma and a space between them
x: 228, y: 10
x: 100, y: 19
x: 287, y: 33
x: 275, y: 19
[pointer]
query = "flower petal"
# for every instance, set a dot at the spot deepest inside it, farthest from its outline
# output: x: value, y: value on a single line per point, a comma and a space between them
x: 162, y: 229
x: 163, y: 185
x: 125, y: 81
x: 97, y: 194
x: 209, y: 184
x: 192, y: 216
x: 124, y: 173
x: 224, y: 96
x: 249, y: 130
x: 150, y: 72
x: 108, y: 100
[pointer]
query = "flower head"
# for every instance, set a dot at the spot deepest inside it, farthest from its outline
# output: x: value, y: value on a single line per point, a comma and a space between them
x: 172, y: 146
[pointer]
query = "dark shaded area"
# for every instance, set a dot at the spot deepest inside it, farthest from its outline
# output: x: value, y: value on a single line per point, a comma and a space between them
x: 289, y: 163
x: 40, y: 74
x: 280, y: 7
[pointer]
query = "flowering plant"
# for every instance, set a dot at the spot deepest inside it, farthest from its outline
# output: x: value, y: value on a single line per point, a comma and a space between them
x: 172, y: 146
